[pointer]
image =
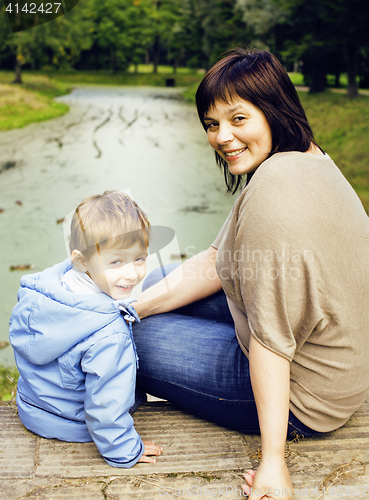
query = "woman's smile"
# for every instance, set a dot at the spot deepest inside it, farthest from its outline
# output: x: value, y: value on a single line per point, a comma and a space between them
x: 235, y: 154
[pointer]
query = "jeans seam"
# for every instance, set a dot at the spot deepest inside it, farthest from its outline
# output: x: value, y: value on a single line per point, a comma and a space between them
x: 197, y: 392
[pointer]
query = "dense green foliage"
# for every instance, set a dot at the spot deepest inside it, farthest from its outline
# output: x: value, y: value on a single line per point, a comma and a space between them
x: 317, y: 36
x: 327, y: 36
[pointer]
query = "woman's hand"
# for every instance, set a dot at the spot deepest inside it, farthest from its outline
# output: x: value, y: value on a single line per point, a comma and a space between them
x: 270, y: 481
x: 150, y: 449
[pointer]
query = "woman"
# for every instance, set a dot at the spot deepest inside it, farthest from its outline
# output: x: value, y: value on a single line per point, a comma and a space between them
x: 288, y: 349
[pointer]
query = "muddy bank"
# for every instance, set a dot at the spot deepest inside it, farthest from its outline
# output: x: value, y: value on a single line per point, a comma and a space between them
x: 143, y: 139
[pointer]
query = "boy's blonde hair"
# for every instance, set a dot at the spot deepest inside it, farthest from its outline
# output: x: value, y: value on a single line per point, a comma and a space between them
x: 109, y: 220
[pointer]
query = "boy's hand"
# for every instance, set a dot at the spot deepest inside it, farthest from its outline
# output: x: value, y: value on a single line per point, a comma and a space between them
x: 150, y: 449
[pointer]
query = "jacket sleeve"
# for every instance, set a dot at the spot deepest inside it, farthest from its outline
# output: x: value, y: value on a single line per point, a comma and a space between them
x: 110, y: 368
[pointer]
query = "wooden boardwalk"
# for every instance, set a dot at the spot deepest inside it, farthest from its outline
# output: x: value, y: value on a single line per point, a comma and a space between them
x: 200, y: 459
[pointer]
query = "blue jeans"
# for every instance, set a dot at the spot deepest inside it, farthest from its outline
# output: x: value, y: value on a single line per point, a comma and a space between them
x: 192, y: 358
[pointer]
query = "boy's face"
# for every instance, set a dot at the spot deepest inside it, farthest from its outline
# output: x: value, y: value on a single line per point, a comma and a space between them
x: 117, y: 271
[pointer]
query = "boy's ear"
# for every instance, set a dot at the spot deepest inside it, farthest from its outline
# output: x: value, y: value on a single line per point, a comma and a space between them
x: 79, y: 261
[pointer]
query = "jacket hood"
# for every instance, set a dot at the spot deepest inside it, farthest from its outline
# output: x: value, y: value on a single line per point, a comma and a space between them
x: 48, y: 320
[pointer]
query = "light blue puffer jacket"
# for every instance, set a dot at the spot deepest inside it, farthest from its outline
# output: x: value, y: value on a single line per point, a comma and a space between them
x: 77, y: 363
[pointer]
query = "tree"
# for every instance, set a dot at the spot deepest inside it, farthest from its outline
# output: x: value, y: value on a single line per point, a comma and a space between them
x: 263, y: 19
x: 223, y: 29
x: 363, y: 66
x: 6, y: 51
x: 188, y: 38
x: 354, y: 21
x: 319, y: 30
x: 165, y: 15
x: 58, y: 42
x: 122, y: 31
x: 211, y: 28
x: 201, y: 31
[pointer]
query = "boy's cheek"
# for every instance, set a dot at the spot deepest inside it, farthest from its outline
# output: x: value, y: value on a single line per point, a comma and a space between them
x: 142, y: 273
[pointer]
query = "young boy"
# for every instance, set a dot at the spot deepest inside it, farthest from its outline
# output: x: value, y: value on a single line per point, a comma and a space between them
x: 73, y: 344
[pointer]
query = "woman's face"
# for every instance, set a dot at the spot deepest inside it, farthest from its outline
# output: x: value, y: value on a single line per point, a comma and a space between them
x: 240, y: 133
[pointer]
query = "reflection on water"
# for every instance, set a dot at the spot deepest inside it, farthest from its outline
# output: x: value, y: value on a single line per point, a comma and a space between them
x: 143, y: 139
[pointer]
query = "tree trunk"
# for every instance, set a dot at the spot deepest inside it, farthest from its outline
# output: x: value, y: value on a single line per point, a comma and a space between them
x: 113, y: 62
x: 18, y: 72
x: 351, y: 58
x: 337, y: 79
x: 319, y: 73
x: 175, y: 65
x: 156, y: 53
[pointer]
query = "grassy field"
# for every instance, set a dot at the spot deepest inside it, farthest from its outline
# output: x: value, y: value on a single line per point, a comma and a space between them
x: 8, y: 383
x: 341, y: 128
x: 129, y: 79
x: 298, y: 79
x: 33, y: 101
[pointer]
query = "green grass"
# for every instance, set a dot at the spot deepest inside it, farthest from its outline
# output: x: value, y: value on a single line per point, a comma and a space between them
x: 190, y: 92
x: 297, y: 79
x: 8, y: 382
x: 32, y: 101
x: 144, y: 77
x: 148, y: 68
x: 341, y: 128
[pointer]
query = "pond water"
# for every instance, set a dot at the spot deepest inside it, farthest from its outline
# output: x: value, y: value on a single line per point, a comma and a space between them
x: 143, y: 140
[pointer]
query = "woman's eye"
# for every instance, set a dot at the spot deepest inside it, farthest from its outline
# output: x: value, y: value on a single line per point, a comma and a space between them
x: 211, y: 125
x: 239, y: 119
x: 116, y: 262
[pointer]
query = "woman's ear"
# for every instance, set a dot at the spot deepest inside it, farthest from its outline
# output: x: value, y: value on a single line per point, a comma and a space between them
x: 79, y: 261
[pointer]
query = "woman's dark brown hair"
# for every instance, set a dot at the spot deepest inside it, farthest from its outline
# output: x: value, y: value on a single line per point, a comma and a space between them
x: 260, y: 78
